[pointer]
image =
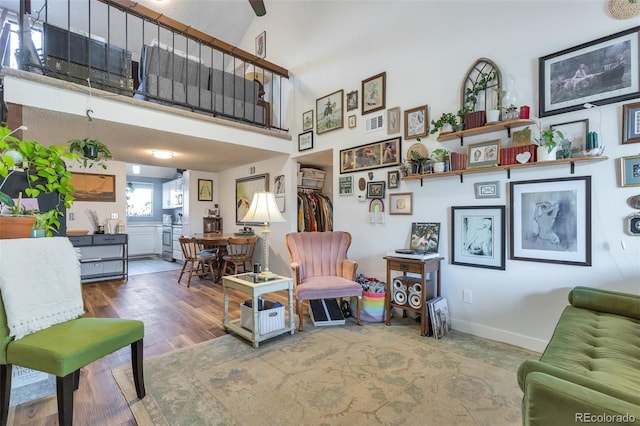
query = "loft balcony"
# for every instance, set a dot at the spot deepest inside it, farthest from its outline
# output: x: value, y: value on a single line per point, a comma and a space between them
x: 124, y: 52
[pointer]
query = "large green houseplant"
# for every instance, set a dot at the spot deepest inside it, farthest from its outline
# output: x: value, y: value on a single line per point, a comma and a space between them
x: 45, y: 170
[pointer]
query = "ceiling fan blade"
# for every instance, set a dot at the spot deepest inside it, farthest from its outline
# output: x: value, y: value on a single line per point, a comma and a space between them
x: 258, y: 7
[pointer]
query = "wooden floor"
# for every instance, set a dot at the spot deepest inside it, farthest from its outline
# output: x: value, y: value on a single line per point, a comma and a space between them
x: 174, y: 316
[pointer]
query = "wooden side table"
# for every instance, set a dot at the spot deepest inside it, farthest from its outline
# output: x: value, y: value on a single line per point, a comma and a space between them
x: 255, y: 288
x: 429, y: 288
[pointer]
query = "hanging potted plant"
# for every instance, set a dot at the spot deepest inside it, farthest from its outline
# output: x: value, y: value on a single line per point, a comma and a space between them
x: 90, y: 152
x: 45, y: 172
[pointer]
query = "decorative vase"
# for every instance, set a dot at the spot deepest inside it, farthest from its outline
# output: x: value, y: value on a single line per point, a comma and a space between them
x: 16, y: 226
x: 493, y: 116
x: 543, y: 154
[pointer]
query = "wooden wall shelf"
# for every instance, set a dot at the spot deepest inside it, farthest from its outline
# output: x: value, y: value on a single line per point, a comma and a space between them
x: 461, y: 173
x: 488, y: 128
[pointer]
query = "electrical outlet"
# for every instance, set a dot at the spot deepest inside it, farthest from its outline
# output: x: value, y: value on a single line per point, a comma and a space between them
x: 466, y: 296
x: 72, y: 216
x: 114, y: 215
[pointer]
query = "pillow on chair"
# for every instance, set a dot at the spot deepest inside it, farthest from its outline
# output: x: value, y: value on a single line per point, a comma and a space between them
x: 25, y: 272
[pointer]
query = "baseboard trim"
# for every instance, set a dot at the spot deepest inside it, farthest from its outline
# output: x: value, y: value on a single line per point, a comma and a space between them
x: 533, y: 344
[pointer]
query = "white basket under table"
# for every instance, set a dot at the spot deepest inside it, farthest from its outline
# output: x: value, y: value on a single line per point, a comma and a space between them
x: 251, y: 285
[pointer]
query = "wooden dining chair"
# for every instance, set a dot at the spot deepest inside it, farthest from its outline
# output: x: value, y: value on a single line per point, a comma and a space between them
x: 197, y: 261
x: 239, y: 257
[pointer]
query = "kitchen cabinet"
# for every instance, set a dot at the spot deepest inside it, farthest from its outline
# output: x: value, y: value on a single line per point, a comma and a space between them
x: 172, y: 194
x: 142, y: 240
x: 177, y: 250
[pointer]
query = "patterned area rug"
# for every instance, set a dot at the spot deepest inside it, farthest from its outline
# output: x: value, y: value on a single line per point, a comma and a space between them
x: 340, y: 375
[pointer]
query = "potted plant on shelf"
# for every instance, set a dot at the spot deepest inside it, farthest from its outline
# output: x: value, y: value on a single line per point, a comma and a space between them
x: 440, y: 156
x: 473, y: 118
x: 90, y: 151
x: 45, y: 172
x: 548, y: 144
x: 447, y: 122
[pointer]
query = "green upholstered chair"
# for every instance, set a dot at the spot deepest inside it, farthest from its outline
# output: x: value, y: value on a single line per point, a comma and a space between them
x: 41, y: 327
x: 62, y: 350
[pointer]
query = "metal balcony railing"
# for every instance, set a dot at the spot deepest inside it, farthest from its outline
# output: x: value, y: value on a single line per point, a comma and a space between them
x: 122, y: 47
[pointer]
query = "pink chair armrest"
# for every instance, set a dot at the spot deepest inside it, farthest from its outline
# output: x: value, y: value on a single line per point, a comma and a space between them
x: 349, y: 269
x: 295, y: 267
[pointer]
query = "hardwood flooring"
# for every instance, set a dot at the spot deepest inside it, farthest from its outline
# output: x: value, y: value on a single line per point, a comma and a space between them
x: 174, y: 316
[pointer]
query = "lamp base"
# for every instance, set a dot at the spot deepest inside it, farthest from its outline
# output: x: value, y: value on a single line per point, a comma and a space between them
x: 266, y: 275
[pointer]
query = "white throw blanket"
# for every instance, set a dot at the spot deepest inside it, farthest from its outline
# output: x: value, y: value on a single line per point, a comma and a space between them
x: 40, y: 283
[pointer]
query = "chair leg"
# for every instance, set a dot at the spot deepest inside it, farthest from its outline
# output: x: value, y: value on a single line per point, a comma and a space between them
x: 64, y: 389
x: 358, y: 310
x: 5, y: 392
x: 182, y: 272
x: 299, y: 304
x: 137, y: 364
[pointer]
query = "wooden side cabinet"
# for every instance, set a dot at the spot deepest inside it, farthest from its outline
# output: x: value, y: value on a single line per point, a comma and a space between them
x: 102, y: 256
x: 410, y: 293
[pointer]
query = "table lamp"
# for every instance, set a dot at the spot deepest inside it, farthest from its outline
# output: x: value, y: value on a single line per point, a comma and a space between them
x: 264, y: 209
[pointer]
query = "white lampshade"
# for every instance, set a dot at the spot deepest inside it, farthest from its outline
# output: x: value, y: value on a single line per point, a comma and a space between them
x: 263, y: 209
x: 254, y: 73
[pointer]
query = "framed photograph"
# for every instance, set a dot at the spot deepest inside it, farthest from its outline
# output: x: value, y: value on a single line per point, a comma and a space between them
x: 373, y: 93
x: 600, y: 72
x: 551, y: 220
x: 384, y: 153
x: 93, y: 187
x: 393, y: 179
x: 261, y: 45
x: 630, y: 170
x: 631, y: 123
x: 329, y: 112
x: 352, y: 121
x: 345, y: 184
x: 393, y: 120
x: 375, y: 189
x: 205, y: 190
x: 574, y: 131
x: 305, y: 141
x: 478, y: 236
x: 245, y: 188
x: 352, y: 100
x: 416, y: 122
x: 483, y: 154
x: 278, y: 185
x: 307, y: 120
x: 401, y: 203
x: 425, y: 236
x: 487, y: 189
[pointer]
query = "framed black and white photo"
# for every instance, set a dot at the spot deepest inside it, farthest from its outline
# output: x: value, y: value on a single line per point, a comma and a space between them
x: 330, y: 112
x: 575, y: 132
x: 551, y: 220
x: 375, y: 189
x: 599, y: 72
x: 630, y: 170
x: 487, y: 189
x: 345, y: 185
x: 478, y: 236
x: 305, y: 141
x: 307, y: 120
x: 393, y: 179
x: 401, y: 203
x: 373, y: 93
x: 352, y: 100
x: 631, y: 123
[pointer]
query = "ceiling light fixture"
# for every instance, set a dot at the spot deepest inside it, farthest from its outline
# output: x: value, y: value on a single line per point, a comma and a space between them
x: 163, y: 155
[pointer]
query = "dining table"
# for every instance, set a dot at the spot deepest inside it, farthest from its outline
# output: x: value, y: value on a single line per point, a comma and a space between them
x: 217, y: 241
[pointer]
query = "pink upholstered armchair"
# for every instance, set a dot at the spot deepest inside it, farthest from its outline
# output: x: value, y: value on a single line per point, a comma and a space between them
x: 321, y: 268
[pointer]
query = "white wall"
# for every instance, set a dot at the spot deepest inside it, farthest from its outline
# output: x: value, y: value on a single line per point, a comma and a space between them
x: 426, y: 49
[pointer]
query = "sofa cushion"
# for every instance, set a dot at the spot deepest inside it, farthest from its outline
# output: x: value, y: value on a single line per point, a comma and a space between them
x: 327, y: 288
x: 600, y: 346
x: 613, y: 302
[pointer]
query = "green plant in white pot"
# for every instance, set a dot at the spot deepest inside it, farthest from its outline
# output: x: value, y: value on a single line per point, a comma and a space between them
x: 439, y: 156
x: 548, y: 144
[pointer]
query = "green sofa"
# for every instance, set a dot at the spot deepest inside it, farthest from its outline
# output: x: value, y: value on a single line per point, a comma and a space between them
x: 590, y: 370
